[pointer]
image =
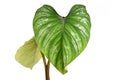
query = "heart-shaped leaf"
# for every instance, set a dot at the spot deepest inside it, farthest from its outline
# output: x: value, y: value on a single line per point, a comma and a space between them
x: 61, y: 39
x: 28, y: 54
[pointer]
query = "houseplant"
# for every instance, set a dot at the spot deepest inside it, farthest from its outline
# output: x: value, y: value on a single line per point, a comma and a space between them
x: 58, y: 39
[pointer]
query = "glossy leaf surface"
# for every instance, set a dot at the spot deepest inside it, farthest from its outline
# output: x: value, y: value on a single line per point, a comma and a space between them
x: 61, y: 39
x: 28, y: 54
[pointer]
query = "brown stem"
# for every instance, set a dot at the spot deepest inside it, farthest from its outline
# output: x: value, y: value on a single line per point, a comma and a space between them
x: 46, y: 66
x: 47, y: 70
x: 44, y: 60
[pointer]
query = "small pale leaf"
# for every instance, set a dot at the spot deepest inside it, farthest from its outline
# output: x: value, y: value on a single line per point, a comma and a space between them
x: 28, y: 54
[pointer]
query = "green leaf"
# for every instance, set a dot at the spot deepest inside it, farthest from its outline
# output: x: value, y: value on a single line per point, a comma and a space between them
x: 61, y: 39
x: 28, y: 54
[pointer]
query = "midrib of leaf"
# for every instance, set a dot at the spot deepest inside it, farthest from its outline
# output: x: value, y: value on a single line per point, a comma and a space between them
x: 62, y: 20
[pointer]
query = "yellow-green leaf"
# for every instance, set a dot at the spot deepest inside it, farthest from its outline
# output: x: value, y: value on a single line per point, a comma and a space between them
x: 28, y: 54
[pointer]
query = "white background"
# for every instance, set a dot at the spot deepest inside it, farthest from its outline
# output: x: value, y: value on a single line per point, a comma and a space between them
x: 99, y: 61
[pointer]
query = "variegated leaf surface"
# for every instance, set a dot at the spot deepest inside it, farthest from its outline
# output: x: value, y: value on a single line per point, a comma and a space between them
x: 61, y: 39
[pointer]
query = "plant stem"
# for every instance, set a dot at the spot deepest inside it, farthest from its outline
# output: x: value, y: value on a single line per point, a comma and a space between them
x: 46, y: 67
x: 47, y: 70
